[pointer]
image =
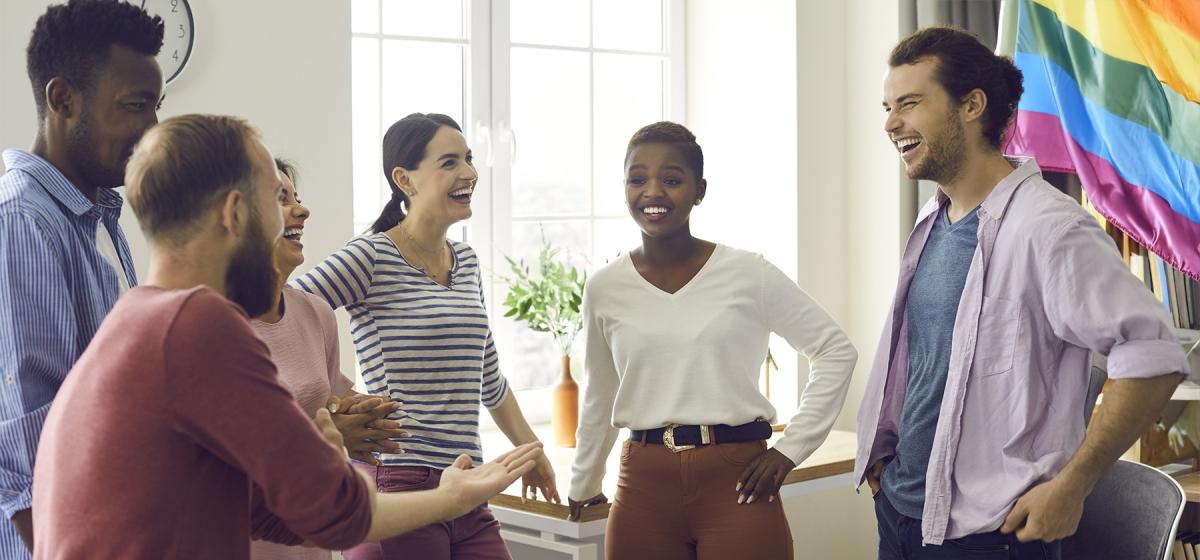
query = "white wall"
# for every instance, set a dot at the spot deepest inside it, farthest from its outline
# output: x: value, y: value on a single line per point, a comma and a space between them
x: 741, y: 104
x: 286, y: 70
x: 741, y: 91
x: 873, y: 188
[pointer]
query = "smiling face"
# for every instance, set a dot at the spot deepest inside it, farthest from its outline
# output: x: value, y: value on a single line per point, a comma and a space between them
x: 441, y: 186
x: 289, y: 251
x: 121, y: 105
x: 924, y: 122
x: 660, y: 189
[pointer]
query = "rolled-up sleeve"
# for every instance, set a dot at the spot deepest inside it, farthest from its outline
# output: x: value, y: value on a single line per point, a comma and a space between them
x: 37, y: 348
x: 1093, y: 301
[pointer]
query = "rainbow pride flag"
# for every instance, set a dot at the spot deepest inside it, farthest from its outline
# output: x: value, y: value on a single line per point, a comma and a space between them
x: 1112, y: 93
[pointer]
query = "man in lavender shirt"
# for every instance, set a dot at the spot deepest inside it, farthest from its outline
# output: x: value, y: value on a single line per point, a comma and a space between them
x: 190, y: 444
x: 972, y: 427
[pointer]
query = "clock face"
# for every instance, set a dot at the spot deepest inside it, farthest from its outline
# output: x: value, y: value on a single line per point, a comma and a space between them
x: 178, y: 33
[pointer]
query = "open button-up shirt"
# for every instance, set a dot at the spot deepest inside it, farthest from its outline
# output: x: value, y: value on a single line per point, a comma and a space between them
x: 1045, y: 288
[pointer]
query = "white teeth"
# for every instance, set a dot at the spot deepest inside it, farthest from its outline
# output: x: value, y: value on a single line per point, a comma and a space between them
x: 293, y: 232
x: 463, y: 192
x: 906, y: 142
x: 654, y: 210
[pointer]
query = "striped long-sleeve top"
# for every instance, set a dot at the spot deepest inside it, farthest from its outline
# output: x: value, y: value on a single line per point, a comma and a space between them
x: 426, y: 345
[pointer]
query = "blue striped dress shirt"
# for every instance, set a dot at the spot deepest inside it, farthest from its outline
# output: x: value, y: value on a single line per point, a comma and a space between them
x: 55, y: 288
x: 418, y: 342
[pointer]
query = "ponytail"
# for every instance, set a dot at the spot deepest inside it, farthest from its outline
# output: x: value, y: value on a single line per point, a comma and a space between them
x: 404, y: 146
x: 392, y: 214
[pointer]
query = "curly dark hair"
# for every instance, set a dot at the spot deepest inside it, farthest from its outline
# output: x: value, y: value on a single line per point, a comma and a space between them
x: 675, y: 134
x: 72, y: 40
x: 965, y: 64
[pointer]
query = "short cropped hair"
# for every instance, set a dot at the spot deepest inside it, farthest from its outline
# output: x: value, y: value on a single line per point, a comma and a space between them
x: 71, y: 40
x: 674, y: 134
x: 184, y: 165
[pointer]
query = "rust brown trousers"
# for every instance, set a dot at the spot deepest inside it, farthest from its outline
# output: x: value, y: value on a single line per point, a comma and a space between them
x: 682, y: 506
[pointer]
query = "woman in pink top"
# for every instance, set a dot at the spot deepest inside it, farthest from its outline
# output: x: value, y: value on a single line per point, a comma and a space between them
x: 301, y: 332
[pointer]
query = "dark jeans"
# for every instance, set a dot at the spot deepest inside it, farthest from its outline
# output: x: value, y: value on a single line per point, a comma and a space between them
x: 900, y: 539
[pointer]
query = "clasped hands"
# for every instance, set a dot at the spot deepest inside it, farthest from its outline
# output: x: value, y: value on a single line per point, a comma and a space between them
x: 362, y: 422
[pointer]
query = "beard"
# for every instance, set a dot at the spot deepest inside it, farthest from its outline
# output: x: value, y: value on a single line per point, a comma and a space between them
x: 945, y: 154
x: 252, y: 278
x: 82, y: 149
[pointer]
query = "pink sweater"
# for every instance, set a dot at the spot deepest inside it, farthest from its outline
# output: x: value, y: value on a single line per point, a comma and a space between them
x: 172, y: 437
x: 304, y: 345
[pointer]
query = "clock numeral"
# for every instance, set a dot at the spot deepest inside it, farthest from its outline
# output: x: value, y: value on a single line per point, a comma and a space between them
x: 175, y: 55
x: 174, y: 6
x: 182, y: 33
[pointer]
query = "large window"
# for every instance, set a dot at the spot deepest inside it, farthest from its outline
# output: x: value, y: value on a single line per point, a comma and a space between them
x: 548, y: 93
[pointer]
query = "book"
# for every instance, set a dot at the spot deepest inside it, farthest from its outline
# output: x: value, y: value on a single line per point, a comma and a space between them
x: 1186, y: 287
x: 1137, y: 266
x: 1160, y: 281
x: 1172, y: 294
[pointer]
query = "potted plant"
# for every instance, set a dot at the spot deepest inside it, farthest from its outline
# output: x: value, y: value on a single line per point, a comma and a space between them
x: 548, y: 299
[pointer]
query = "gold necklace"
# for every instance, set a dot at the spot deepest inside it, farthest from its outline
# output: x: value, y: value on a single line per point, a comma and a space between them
x: 425, y: 268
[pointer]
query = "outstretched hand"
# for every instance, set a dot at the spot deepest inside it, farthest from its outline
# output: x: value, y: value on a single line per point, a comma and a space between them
x: 468, y: 487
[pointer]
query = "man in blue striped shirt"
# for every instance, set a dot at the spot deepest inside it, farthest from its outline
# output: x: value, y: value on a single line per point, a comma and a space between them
x: 63, y: 258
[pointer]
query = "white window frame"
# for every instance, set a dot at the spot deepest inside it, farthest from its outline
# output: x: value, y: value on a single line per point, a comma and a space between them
x: 486, y: 117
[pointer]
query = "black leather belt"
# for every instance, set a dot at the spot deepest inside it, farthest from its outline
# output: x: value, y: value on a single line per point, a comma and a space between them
x: 679, y: 438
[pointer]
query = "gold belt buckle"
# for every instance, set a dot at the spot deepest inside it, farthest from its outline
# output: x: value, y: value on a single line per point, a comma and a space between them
x: 669, y: 438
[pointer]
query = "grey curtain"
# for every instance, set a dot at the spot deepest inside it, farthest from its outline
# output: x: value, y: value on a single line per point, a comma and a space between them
x: 981, y: 17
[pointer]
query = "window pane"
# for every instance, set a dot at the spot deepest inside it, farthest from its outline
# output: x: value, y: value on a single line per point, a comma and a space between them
x: 561, y: 23
x: 369, y: 193
x: 571, y: 237
x: 439, y: 69
x: 551, y: 119
x: 364, y: 16
x: 424, y: 18
x: 614, y: 237
x: 632, y: 25
x: 629, y: 95
x: 531, y: 358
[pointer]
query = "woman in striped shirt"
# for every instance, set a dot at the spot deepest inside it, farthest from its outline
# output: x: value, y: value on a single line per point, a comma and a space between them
x: 422, y: 335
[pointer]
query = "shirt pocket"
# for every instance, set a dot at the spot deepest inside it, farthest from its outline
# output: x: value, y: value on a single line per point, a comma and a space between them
x: 999, y: 325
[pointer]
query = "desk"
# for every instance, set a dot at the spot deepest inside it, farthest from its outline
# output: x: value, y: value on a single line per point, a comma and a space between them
x: 544, y: 525
x: 1191, y: 486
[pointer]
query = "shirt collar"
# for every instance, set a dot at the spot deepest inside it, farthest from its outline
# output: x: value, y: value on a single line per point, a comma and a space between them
x: 61, y: 188
x: 997, y: 201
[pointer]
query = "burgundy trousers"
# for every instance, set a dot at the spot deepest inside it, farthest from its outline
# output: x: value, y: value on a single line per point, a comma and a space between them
x: 474, y: 536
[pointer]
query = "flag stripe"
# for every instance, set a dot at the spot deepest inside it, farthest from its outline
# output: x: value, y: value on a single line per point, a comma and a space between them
x: 1139, y: 156
x: 1183, y: 15
x: 1141, y: 213
x: 1129, y: 31
x: 1125, y: 89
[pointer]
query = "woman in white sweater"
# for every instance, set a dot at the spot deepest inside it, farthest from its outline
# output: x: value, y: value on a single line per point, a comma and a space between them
x: 677, y: 330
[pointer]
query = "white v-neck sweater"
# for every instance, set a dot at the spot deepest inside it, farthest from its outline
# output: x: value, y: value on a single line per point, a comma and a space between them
x: 694, y: 357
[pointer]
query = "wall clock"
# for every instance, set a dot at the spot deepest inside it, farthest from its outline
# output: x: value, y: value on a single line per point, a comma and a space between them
x: 179, y: 38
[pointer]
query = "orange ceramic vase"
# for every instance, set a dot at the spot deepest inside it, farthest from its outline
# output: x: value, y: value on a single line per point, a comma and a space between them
x: 564, y: 413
